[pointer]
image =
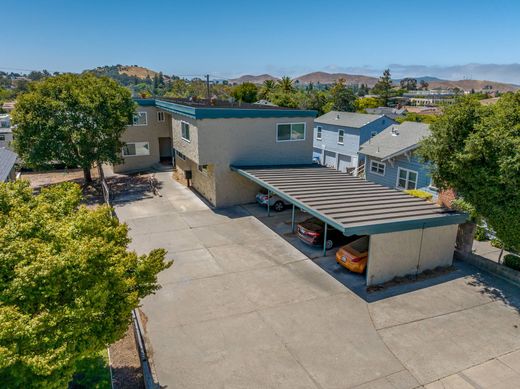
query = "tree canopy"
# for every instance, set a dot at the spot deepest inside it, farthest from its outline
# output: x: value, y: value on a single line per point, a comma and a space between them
x: 68, y: 284
x: 475, y: 150
x: 383, y: 87
x: 72, y: 119
x: 246, y: 92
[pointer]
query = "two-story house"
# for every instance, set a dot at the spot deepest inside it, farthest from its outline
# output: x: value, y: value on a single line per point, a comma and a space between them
x: 209, y: 137
x: 391, y: 158
x: 338, y: 135
x: 6, y: 132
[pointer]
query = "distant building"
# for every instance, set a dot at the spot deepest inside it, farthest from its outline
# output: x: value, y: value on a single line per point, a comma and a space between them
x: 8, y: 106
x: 6, y: 132
x: 391, y: 160
x: 430, y: 97
x: 392, y: 113
x: 338, y: 135
x: 7, y: 164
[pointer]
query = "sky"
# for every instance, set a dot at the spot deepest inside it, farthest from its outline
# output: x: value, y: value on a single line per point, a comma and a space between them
x: 452, y: 39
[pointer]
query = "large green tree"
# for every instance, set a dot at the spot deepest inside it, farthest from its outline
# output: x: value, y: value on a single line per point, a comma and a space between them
x: 72, y: 119
x: 383, y: 87
x: 342, y: 98
x: 476, y: 151
x: 67, y: 283
x: 246, y: 92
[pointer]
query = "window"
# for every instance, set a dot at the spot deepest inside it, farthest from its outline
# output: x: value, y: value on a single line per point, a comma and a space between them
x: 2, y: 137
x: 318, y: 132
x: 136, y: 149
x: 203, y: 169
x: 140, y: 119
x: 377, y: 168
x: 185, y: 131
x: 160, y: 116
x: 180, y: 155
x: 341, y: 135
x: 406, y: 179
x: 290, y: 132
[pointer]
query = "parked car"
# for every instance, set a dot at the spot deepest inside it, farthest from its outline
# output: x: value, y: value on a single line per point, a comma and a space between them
x: 275, y: 202
x: 311, y: 231
x: 354, y: 256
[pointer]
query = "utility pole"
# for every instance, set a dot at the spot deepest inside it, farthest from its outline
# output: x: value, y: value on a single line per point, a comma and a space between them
x: 207, y: 85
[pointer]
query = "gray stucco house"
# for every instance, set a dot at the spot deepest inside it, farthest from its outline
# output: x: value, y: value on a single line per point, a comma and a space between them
x: 391, y: 158
x: 207, y: 138
x: 338, y: 135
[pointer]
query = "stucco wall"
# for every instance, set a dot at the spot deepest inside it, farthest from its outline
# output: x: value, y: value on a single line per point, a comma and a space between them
x: 409, y: 252
x: 203, y: 183
x: 189, y: 148
x: 8, y: 138
x: 148, y: 133
x: 390, y: 177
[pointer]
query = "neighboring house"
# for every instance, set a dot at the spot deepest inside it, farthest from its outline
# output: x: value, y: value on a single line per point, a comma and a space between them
x: 338, y: 135
x: 391, y: 160
x: 392, y: 113
x: 6, y: 132
x: 148, y: 140
x: 7, y: 163
x: 8, y: 106
x: 210, y: 137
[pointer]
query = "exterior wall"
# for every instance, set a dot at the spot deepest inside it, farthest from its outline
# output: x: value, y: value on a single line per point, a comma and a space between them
x: 403, y: 253
x: 8, y: 136
x: 390, y: 177
x: 201, y: 182
x: 220, y: 143
x: 352, y: 139
x: 148, y: 133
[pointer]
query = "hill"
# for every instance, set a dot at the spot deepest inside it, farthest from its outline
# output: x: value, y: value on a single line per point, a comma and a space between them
x: 137, y: 71
x: 477, y: 85
x: 254, y: 79
x: 330, y: 78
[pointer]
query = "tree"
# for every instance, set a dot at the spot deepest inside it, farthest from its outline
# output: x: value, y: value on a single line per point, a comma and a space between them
x: 363, y: 103
x: 408, y: 83
x: 246, y: 92
x: 475, y: 150
x: 286, y: 84
x: 383, y: 87
x: 341, y: 97
x: 267, y: 88
x: 424, y: 85
x: 68, y: 283
x: 72, y: 119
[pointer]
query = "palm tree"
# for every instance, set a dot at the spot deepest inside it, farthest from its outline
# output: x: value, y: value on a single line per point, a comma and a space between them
x: 267, y: 87
x: 286, y: 84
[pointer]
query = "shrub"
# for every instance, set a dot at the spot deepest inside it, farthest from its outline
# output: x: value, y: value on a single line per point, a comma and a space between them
x: 480, y: 234
x: 497, y: 243
x: 512, y: 261
x: 420, y: 194
x: 463, y: 206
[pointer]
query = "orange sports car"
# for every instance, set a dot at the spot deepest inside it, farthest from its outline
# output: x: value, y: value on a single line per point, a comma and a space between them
x: 354, y: 256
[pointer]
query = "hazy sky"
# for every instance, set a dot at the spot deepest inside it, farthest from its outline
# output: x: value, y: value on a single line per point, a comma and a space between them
x: 231, y: 38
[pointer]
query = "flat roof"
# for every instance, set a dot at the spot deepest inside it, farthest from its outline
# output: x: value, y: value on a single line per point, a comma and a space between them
x: 350, y: 204
x: 219, y: 109
x: 347, y: 119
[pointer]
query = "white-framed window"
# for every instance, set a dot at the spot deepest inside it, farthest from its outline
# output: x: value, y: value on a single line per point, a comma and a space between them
x: 136, y: 149
x: 406, y: 179
x: 203, y: 169
x: 341, y: 136
x: 160, y: 116
x: 377, y: 168
x: 140, y: 119
x: 290, y: 132
x: 319, y: 130
x: 180, y: 155
x: 185, y: 131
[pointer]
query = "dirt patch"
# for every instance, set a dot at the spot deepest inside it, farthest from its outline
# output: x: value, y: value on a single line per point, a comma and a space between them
x: 51, y: 177
x: 425, y: 275
x: 126, y: 367
x: 178, y: 176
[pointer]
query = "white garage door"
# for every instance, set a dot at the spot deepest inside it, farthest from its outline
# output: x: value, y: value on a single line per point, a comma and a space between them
x: 330, y: 159
x: 344, y: 161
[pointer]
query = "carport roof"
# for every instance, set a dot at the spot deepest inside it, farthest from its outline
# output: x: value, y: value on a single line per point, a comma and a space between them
x: 350, y: 204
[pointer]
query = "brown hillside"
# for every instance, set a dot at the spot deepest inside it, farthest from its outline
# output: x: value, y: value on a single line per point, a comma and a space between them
x: 477, y: 85
x: 254, y: 79
x: 329, y: 78
x: 137, y: 71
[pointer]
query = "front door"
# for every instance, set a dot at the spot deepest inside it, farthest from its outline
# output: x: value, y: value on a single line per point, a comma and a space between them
x: 165, y: 150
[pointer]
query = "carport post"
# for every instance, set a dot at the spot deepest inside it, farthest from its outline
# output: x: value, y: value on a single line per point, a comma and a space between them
x: 292, y: 219
x: 325, y: 240
x: 268, y: 202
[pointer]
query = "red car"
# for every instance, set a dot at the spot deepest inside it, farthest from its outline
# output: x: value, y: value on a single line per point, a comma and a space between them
x: 311, y: 232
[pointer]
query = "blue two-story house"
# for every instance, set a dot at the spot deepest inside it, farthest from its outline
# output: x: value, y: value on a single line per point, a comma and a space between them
x: 338, y: 136
x: 391, y: 160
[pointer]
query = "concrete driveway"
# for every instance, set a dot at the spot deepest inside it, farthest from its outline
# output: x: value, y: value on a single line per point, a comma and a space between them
x: 243, y: 308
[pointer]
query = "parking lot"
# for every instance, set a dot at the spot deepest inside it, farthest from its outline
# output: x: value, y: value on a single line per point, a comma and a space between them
x: 247, y: 305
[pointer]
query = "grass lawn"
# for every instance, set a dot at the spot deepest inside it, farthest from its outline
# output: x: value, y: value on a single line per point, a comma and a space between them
x: 92, y: 372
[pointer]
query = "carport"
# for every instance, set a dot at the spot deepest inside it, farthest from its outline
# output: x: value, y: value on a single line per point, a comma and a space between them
x: 407, y: 234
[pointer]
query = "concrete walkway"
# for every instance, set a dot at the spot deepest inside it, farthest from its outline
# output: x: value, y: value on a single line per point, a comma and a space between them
x: 243, y: 308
